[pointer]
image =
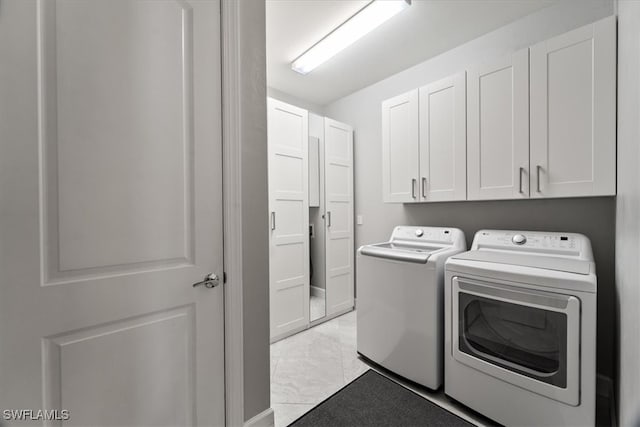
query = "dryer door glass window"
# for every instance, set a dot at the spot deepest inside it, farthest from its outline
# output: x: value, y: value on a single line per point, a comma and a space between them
x: 528, y: 340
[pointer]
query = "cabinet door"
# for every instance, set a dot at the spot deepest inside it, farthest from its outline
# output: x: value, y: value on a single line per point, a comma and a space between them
x: 443, y: 158
x: 339, y: 216
x: 573, y: 113
x: 400, y: 148
x: 289, y: 210
x: 498, y: 128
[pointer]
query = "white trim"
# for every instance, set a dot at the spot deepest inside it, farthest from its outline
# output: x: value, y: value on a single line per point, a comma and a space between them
x: 232, y: 193
x: 317, y: 291
x: 263, y: 419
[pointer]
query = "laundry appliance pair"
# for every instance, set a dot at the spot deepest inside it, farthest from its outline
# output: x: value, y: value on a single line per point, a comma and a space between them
x: 508, y: 326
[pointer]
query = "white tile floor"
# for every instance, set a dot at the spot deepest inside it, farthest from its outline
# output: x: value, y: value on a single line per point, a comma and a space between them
x: 308, y: 367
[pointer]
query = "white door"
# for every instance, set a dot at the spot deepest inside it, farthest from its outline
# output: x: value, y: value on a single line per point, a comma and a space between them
x: 339, y: 245
x: 498, y: 128
x: 573, y: 113
x: 110, y: 188
x: 443, y: 135
x: 400, y: 148
x: 289, y: 209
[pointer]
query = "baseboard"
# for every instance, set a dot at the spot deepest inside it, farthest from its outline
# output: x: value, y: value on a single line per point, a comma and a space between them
x: 604, y: 388
x: 317, y: 291
x: 263, y: 419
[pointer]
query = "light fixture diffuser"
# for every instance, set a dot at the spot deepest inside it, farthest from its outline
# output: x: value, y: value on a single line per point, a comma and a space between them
x: 366, y: 20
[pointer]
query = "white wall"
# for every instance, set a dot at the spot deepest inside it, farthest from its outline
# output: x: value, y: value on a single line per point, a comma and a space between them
x: 628, y: 213
x: 594, y: 217
x: 293, y: 100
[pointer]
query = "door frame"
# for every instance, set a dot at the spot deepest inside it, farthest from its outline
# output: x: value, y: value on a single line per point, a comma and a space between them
x: 231, y: 25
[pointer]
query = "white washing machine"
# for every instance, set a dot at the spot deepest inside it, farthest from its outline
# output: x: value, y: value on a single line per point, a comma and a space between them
x: 400, y: 301
x: 520, y: 328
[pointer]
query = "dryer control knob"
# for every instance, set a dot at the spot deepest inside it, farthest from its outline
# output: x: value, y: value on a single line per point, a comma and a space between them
x: 519, y: 239
x: 419, y: 232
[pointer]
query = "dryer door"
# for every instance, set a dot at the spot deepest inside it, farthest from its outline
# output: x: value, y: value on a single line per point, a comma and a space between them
x: 526, y: 337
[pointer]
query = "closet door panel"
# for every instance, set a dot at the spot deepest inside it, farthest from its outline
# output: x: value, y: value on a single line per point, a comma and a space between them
x: 339, y: 216
x: 573, y: 113
x: 443, y: 161
x: 498, y: 128
x: 400, y: 148
x: 289, y: 220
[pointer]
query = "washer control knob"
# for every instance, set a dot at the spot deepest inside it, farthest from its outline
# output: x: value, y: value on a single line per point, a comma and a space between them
x: 419, y: 232
x: 519, y: 239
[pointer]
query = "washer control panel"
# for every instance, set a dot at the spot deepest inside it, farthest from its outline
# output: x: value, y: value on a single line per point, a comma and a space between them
x: 426, y: 234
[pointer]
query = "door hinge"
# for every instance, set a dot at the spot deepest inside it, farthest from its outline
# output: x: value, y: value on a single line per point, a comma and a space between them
x: 224, y: 277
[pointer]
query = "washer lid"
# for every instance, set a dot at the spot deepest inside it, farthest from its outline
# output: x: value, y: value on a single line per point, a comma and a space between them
x: 531, y: 260
x: 396, y: 252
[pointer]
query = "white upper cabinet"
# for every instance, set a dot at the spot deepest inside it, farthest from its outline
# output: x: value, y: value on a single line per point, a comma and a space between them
x: 443, y: 161
x: 539, y: 123
x: 400, y: 148
x: 498, y: 128
x: 573, y: 113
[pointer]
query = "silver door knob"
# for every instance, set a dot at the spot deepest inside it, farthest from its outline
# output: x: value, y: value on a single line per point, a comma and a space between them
x: 211, y: 280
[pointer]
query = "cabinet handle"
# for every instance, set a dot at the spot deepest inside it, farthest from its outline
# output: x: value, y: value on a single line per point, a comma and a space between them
x: 538, y: 177
x: 413, y: 188
x: 328, y: 218
x: 273, y: 221
x: 424, y: 187
x: 520, y: 185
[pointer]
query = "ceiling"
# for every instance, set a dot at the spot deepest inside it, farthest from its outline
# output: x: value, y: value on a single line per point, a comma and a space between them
x: 420, y: 32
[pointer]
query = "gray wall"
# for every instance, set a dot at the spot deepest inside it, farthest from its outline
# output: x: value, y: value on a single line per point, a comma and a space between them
x: 594, y: 217
x: 255, y: 226
x: 628, y: 213
x: 316, y: 128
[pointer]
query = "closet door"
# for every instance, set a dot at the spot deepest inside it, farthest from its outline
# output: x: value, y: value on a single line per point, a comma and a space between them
x: 573, y: 113
x: 498, y: 128
x: 400, y: 148
x: 443, y: 134
x: 289, y: 222
x: 339, y: 216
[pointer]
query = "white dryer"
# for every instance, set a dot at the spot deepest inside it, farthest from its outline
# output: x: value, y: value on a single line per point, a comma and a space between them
x: 520, y: 328
x: 400, y: 300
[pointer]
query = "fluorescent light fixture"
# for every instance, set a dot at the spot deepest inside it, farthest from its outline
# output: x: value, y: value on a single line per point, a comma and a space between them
x: 366, y: 20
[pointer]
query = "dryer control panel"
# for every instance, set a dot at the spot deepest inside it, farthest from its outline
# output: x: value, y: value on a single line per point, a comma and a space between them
x: 548, y: 243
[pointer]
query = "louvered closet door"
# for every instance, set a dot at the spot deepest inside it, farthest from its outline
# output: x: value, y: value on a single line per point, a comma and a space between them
x: 498, y: 128
x: 289, y: 223
x: 339, y: 216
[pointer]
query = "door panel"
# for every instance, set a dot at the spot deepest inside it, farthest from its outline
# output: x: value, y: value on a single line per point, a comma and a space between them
x: 498, y: 132
x: 289, y: 205
x: 112, y: 208
x: 443, y: 160
x: 339, y: 206
x: 573, y: 127
x: 400, y: 148
x: 101, y: 114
